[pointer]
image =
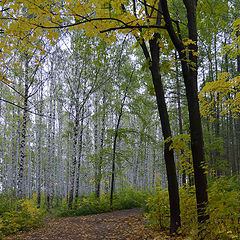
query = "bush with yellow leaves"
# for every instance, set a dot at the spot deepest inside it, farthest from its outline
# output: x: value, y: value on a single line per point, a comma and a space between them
x: 223, y: 210
x: 157, y: 207
x: 26, y: 216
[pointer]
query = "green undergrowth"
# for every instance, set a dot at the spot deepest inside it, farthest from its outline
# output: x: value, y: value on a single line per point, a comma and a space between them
x: 223, y: 209
x: 85, y: 205
x: 17, y: 216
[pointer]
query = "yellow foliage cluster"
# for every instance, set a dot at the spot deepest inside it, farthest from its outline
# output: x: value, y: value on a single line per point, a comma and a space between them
x: 189, y: 41
x: 181, y: 146
x: 224, y: 94
x: 27, y: 216
x: 233, y: 49
x: 26, y: 24
x: 223, y: 209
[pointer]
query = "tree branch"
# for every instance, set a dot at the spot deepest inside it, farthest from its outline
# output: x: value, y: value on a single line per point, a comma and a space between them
x: 80, y: 22
x: 168, y: 21
x: 18, y: 106
x: 133, y: 27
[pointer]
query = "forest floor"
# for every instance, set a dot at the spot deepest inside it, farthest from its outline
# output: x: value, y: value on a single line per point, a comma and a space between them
x: 118, y: 225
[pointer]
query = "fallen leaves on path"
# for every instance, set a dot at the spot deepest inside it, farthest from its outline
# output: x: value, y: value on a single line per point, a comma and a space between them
x: 117, y: 225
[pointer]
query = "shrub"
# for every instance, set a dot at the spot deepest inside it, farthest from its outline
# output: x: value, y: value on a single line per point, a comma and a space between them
x: 223, y: 209
x: 129, y: 198
x: 157, y: 207
x: 6, y: 203
x: 125, y: 199
x: 85, y: 206
x: 27, y: 216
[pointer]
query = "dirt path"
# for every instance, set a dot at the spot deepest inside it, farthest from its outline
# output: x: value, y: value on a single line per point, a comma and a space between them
x: 118, y: 225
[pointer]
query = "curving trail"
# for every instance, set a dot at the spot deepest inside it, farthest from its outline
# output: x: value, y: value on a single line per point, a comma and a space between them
x: 118, y: 225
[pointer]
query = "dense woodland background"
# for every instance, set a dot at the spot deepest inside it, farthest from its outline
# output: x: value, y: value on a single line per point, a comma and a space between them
x: 80, y: 110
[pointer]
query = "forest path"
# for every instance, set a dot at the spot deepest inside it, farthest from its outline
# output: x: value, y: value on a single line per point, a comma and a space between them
x: 117, y: 225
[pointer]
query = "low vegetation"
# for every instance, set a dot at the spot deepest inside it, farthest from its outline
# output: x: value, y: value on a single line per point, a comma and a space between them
x: 18, y: 216
x: 223, y: 209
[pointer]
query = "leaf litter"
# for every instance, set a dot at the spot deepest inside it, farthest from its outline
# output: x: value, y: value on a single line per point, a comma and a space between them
x: 118, y: 225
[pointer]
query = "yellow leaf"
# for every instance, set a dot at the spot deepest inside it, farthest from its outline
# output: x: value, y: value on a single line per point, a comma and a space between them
x: 189, y: 41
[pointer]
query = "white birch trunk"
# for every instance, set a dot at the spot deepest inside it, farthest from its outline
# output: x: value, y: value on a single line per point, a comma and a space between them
x: 21, y: 172
x: 39, y: 150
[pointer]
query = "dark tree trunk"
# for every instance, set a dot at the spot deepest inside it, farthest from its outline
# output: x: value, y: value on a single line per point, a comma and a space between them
x: 180, y: 122
x: 232, y: 143
x: 190, y: 81
x: 175, y: 221
x: 238, y: 119
x: 115, y: 143
x: 114, y: 161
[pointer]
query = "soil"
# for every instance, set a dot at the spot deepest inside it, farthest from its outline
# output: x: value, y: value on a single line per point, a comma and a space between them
x: 118, y: 225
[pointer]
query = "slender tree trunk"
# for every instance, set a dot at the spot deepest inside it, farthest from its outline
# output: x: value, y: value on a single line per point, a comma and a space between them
x: 21, y: 172
x: 227, y: 139
x: 115, y: 141
x: 39, y: 163
x: 238, y: 119
x: 99, y: 178
x: 53, y: 172
x: 232, y: 143
x: 48, y: 162
x: 60, y: 169
x: 30, y: 169
x: 114, y: 157
x: 179, y: 107
x: 74, y: 155
x: 231, y: 146
x: 68, y: 165
x: 3, y: 168
x: 14, y: 160
x: 50, y: 144
x: 88, y: 140
x: 136, y: 175
x: 217, y: 118
x: 79, y: 155
x: 96, y: 146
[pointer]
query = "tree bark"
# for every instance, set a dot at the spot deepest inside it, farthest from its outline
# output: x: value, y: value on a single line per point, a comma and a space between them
x: 21, y: 172
x: 39, y: 163
x: 79, y: 155
x: 238, y: 119
x: 74, y: 155
x: 175, y: 220
x: 179, y: 108
x: 99, y: 177
x: 115, y: 142
x: 190, y: 81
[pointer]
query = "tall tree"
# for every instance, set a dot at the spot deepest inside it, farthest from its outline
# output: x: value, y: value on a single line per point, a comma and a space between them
x: 188, y: 54
x: 21, y: 172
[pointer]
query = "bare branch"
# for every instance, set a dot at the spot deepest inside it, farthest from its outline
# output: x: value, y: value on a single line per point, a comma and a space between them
x: 18, y: 106
x: 133, y: 27
x: 80, y: 22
